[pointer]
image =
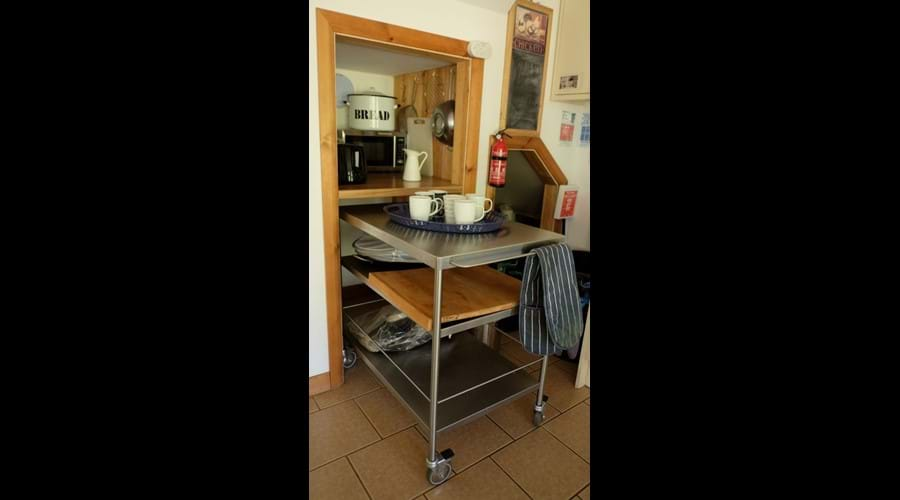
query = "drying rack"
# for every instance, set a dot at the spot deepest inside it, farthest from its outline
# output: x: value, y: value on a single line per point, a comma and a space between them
x: 461, y: 378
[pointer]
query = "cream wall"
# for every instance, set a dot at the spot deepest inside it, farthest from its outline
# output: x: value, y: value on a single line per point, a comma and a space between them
x: 572, y: 159
x: 454, y: 19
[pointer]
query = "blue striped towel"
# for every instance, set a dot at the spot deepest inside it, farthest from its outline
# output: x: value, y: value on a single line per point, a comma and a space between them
x: 549, y: 306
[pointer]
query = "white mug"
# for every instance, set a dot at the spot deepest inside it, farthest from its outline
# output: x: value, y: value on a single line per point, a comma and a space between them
x: 449, y: 208
x: 422, y: 207
x: 465, y: 212
x: 433, y: 195
x: 479, y: 200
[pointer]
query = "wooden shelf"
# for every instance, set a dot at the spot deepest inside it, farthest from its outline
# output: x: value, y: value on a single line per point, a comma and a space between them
x: 384, y: 185
x: 466, y: 293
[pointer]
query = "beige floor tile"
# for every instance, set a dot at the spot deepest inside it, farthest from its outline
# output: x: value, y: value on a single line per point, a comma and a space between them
x: 588, y: 401
x: 573, y: 428
x: 483, y: 481
x: 357, y: 381
x: 312, y: 405
x: 568, y: 366
x: 560, y: 386
x: 337, y: 431
x: 585, y: 493
x: 516, y: 418
x: 386, y: 413
x: 543, y: 467
x: 336, y: 481
x: 471, y: 441
x: 394, y: 468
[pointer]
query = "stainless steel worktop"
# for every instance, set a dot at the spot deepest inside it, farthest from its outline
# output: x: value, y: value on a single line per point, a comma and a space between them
x: 445, y: 250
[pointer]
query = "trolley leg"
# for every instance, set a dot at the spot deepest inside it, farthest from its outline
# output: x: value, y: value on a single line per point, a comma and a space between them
x: 438, y: 463
x: 541, y: 398
x: 435, y: 359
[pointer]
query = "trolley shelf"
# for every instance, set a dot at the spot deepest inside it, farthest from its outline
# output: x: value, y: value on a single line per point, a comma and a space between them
x: 465, y: 362
x: 467, y: 293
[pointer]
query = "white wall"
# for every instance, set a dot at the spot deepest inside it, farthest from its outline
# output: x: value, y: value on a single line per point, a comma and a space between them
x: 454, y: 19
x: 574, y: 160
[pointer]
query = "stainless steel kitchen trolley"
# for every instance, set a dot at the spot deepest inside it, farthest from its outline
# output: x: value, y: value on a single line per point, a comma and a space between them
x: 462, y: 378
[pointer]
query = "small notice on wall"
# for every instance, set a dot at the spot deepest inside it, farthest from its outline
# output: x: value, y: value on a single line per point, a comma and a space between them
x: 567, y: 128
x: 565, y: 202
x: 585, y: 138
x: 568, y: 82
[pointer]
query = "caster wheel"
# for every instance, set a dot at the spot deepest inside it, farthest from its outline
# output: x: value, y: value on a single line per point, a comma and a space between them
x: 349, y: 358
x: 538, y: 418
x: 440, y: 473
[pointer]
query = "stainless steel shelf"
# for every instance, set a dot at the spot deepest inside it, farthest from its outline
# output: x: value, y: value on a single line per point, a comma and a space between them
x: 441, y: 250
x: 465, y: 363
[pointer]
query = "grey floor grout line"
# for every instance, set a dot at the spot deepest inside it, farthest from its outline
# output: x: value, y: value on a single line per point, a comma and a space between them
x: 380, y: 439
x: 491, y: 458
x: 358, y: 477
x: 500, y: 426
x: 351, y: 399
x: 567, y: 446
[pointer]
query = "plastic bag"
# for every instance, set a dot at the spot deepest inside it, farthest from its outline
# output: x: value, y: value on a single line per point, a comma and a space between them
x: 389, y: 328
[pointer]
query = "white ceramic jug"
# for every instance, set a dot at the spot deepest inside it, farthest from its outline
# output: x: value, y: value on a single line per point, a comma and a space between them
x: 413, y: 167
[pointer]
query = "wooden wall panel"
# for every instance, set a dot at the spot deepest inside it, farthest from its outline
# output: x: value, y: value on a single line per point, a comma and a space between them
x: 426, y: 90
x: 472, y: 134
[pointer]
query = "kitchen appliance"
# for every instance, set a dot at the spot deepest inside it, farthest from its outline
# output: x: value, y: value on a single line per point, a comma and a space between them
x: 372, y: 110
x: 384, y: 150
x: 351, y: 164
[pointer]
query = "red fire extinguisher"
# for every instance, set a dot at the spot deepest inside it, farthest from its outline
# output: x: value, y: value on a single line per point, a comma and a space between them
x: 499, y: 156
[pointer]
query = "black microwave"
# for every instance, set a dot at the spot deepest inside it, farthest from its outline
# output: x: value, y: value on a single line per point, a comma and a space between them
x: 383, y: 150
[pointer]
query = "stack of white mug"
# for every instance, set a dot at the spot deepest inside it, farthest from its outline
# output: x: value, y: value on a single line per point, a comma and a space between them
x: 458, y: 209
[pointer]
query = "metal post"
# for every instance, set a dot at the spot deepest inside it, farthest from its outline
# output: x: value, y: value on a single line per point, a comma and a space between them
x: 489, y: 336
x: 435, y: 359
x: 539, y: 404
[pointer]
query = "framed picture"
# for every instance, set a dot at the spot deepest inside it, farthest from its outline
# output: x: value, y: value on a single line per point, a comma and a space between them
x: 528, y: 36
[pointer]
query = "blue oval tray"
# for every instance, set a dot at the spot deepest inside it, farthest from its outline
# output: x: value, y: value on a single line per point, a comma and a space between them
x: 399, y: 213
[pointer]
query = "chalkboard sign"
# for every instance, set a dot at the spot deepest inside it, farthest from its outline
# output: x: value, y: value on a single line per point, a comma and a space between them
x: 526, y: 60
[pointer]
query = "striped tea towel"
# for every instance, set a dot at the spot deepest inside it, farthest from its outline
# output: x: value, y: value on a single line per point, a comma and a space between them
x: 549, y: 306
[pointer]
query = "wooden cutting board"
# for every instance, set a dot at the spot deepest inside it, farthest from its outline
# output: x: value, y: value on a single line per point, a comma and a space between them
x: 466, y: 293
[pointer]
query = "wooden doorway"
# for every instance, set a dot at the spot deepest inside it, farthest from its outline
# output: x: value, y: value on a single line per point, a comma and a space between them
x: 385, y: 36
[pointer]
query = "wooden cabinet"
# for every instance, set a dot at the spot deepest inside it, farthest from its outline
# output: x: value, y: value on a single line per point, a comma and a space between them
x: 572, y: 65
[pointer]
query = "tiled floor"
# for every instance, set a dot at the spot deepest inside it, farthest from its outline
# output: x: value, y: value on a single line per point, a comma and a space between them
x: 365, y: 444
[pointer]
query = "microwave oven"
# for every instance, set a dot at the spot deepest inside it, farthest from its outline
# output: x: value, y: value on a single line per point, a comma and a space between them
x: 383, y: 150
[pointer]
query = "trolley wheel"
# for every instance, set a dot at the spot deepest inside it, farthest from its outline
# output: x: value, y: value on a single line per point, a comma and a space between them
x: 349, y: 358
x: 538, y: 418
x: 440, y: 473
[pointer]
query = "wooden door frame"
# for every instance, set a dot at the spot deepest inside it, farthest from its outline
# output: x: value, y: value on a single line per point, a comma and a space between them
x: 366, y: 31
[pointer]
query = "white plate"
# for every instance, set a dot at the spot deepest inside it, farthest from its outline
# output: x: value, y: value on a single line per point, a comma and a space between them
x: 375, y: 249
